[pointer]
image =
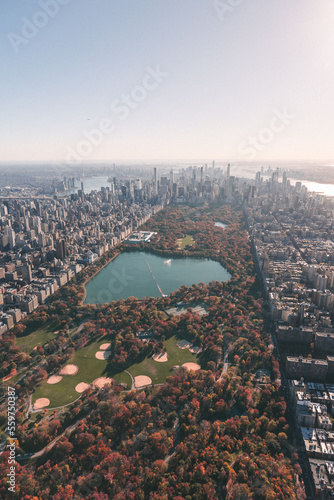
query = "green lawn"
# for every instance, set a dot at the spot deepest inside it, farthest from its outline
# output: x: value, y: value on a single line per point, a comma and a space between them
x: 37, y: 337
x: 188, y: 240
x: 41, y: 336
x: 158, y: 372
x: 90, y: 368
x: 14, y: 379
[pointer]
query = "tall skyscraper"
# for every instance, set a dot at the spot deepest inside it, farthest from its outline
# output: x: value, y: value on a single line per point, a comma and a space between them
x: 11, y: 236
x: 155, y: 181
x: 285, y: 180
x: 61, y: 249
x: 26, y: 273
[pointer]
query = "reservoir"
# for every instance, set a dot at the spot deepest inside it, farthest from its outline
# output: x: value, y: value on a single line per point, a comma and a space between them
x: 141, y: 274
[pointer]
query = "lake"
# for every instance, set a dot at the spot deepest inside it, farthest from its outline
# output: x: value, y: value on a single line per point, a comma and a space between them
x: 141, y: 274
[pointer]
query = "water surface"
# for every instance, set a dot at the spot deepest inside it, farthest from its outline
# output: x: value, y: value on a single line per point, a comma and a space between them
x: 141, y: 274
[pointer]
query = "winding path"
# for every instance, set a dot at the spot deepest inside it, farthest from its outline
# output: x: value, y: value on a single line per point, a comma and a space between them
x: 133, y: 387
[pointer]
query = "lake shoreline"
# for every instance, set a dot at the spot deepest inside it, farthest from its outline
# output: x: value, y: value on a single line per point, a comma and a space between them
x: 142, y: 274
x: 93, y: 276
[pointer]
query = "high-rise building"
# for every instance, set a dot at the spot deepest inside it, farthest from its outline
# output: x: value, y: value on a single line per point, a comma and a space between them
x: 285, y: 180
x: 41, y: 239
x: 61, y: 249
x: 332, y: 280
x: 26, y: 273
x: 11, y: 237
x: 155, y: 192
x: 321, y: 283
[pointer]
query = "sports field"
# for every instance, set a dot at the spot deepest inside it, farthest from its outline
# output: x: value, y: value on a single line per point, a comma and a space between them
x: 183, y: 242
x: 90, y: 368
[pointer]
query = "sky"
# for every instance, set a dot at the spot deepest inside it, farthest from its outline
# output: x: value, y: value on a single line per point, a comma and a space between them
x: 104, y: 80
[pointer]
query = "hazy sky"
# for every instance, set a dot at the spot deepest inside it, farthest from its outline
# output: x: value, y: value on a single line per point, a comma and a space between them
x: 231, y: 79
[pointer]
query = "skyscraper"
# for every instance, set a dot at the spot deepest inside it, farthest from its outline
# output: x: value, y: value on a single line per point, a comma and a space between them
x: 26, y: 273
x: 60, y: 249
x: 11, y: 236
x: 155, y: 182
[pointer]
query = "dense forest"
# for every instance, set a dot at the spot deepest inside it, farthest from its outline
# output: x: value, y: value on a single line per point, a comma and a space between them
x: 210, y: 434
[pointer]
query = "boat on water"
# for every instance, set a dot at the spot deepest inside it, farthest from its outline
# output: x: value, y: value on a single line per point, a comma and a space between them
x: 169, y: 261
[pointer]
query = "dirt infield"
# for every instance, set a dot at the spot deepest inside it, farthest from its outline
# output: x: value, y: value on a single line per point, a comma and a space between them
x: 184, y: 344
x: 191, y: 366
x: 160, y: 358
x: 102, y: 354
x: 142, y: 381
x: 102, y: 381
x: 82, y: 387
x: 195, y: 349
x: 12, y: 373
x: 54, y: 379
x: 69, y: 370
x: 104, y: 347
x: 41, y: 403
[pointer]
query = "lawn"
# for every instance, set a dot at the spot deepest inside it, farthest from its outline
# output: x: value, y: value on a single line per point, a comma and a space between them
x: 158, y: 372
x: 90, y: 368
x: 37, y: 337
x: 188, y: 240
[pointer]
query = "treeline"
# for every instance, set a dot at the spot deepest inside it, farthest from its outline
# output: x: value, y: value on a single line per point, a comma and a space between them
x: 202, y: 435
x: 178, y: 441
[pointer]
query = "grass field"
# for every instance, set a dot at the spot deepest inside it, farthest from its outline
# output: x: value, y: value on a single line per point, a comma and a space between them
x: 36, y: 337
x: 90, y: 368
x: 188, y: 240
x: 158, y: 372
x: 41, y: 336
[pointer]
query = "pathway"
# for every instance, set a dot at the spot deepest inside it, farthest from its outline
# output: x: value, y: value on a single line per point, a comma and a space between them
x: 225, y: 366
x: 133, y: 387
x: 49, y: 447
